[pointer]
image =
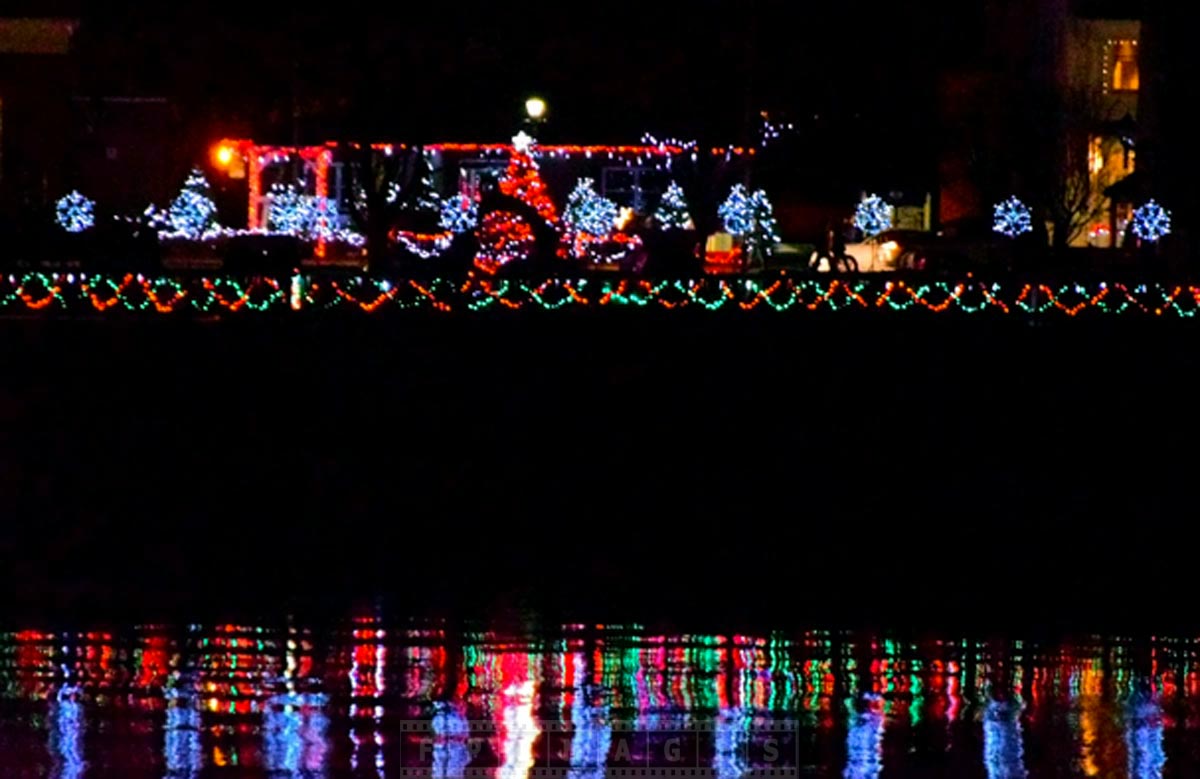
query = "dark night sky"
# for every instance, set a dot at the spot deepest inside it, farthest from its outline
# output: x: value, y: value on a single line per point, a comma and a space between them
x: 609, y: 72
x: 858, y: 77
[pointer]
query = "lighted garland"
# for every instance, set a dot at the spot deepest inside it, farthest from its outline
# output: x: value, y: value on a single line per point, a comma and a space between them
x: 75, y: 212
x: 1011, y: 218
x: 42, y: 293
x: 427, y: 246
x: 1151, y: 222
x: 873, y: 215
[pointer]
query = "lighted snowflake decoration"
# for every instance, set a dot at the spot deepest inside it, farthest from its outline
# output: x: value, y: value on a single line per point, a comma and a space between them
x: 1151, y: 222
x: 75, y: 213
x: 873, y: 215
x: 1011, y: 218
x: 459, y: 214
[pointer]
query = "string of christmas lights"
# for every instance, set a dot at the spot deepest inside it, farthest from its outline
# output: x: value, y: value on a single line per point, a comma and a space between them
x: 42, y: 293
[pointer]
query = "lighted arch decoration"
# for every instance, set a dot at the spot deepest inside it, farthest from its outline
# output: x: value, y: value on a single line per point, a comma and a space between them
x: 316, y: 158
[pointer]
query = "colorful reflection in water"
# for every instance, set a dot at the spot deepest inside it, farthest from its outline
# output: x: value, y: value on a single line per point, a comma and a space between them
x: 373, y: 699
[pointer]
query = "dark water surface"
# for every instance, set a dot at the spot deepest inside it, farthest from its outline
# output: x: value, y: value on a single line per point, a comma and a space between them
x: 366, y: 699
x: 854, y: 471
x: 941, y: 477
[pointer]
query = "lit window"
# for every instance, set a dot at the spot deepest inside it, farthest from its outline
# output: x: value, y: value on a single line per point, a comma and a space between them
x: 1123, y: 59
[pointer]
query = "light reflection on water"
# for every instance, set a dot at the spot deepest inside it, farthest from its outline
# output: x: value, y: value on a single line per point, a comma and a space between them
x: 371, y: 700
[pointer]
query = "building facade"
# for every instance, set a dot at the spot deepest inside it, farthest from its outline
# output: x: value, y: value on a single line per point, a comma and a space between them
x: 1048, y: 112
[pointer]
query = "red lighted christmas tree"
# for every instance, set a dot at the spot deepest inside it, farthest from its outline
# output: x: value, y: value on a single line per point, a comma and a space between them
x: 523, y: 181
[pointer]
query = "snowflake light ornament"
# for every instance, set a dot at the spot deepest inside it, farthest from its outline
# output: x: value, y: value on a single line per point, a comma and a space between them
x: 1151, y: 222
x: 75, y: 213
x: 873, y: 215
x: 459, y: 214
x: 1011, y: 218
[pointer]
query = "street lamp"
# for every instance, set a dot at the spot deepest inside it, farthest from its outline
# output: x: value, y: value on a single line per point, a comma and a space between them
x: 535, y: 109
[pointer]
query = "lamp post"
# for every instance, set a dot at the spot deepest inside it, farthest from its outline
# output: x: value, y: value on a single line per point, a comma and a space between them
x: 535, y: 113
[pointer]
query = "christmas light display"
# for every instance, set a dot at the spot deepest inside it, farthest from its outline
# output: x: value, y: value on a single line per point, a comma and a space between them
x: 873, y: 215
x: 672, y: 212
x: 34, y: 293
x: 459, y: 214
x: 523, y: 180
x: 425, y: 198
x: 427, y: 246
x: 770, y: 131
x: 75, y: 213
x: 737, y: 212
x: 503, y: 237
x: 291, y: 212
x: 1151, y: 222
x: 668, y: 144
x: 751, y: 218
x: 588, y: 212
x: 192, y: 214
x: 1011, y: 218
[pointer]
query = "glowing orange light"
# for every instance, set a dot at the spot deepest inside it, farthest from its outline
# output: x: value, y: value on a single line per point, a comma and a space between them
x: 224, y: 155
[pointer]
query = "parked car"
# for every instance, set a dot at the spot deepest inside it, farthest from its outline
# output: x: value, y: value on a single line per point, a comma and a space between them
x: 950, y: 250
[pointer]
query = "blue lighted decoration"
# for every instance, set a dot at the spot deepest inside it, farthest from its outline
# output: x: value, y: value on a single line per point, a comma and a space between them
x: 459, y: 214
x: 588, y: 212
x: 1011, y: 218
x: 289, y: 210
x: 672, y: 212
x: 873, y: 215
x: 192, y: 213
x: 864, y: 738
x: 75, y: 213
x: 294, y: 213
x: 1003, y: 751
x: 451, y: 733
x: 737, y: 212
x: 67, y: 733
x: 181, y: 750
x: 1151, y: 222
x: 750, y: 217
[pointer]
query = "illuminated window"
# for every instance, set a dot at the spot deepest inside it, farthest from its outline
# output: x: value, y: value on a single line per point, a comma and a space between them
x: 1122, y: 66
